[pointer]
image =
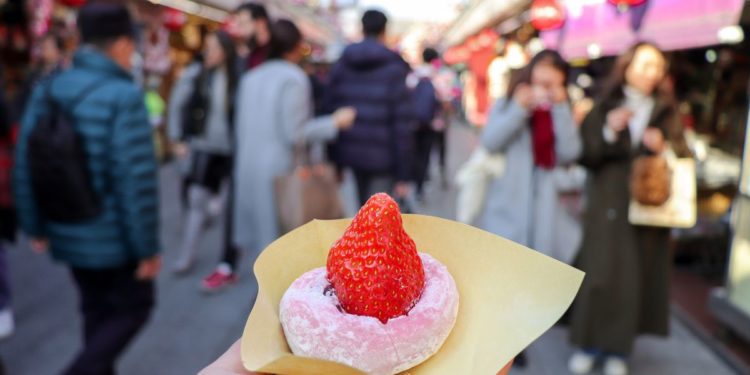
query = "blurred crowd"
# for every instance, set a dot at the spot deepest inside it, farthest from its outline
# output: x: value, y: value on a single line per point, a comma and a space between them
x: 81, y: 140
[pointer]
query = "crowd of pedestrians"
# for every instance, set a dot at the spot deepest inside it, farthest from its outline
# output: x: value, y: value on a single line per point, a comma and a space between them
x: 244, y: 112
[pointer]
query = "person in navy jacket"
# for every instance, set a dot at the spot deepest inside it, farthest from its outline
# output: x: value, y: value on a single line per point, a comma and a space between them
x: 372, y: 78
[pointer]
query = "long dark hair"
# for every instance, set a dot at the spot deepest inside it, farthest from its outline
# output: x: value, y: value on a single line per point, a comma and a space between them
x: 285, y: 37
x: 612, y: 95
x: 612, y: 88
x: 257, y: 13
x: 546, y: 56
x: 230, y: 61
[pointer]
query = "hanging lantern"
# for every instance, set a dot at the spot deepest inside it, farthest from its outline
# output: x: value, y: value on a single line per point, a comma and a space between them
x: 73, y: 3
x: 547, y: 14
x: 174, y: 19
x: 624, y: 5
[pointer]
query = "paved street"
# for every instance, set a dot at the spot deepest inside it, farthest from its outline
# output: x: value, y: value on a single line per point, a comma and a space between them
x: 189, y: 328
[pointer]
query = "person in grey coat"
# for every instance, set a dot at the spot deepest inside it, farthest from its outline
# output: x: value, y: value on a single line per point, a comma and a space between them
x: 274, y: 114
x: 535, y: 130
x: 204, y: 142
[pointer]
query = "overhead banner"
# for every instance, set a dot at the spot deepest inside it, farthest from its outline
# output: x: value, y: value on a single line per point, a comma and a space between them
x: 598, y: 28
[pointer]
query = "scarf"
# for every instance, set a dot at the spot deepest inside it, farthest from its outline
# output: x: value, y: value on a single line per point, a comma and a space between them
x: 543, y: 139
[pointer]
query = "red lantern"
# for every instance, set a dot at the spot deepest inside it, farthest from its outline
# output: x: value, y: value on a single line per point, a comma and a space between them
x: 624, y: 5
x: 73, y: 3
x: 547, y: 14
x: 174, y: 20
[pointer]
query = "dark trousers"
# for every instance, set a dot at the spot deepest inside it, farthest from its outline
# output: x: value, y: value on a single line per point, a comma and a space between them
x: 369, y: 184
x: 4, y: 279
x: 440, y: 143
x: 231, y: 252
x: 114, y: 306
x: 424, y: 139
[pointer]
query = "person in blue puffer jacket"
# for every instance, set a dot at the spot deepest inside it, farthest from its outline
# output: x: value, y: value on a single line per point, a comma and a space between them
x: 114, y: 256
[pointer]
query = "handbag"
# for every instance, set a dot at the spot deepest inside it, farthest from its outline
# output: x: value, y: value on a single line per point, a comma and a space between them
x: 659, y: 204
x: 472, y: 181
x: 196, y: 108
x: 650, y: 180
x: 310, y: 191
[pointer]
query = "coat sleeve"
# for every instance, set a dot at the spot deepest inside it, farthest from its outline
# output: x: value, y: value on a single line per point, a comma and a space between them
x: 596, y: 150
x: 28, y: 214
x: 296, y: 116
x: 134, y: 176
x: 402, y: 128
x: 178, y: 98
x: 673, y: 130
x: 505, y: 122
x: 567, y: 140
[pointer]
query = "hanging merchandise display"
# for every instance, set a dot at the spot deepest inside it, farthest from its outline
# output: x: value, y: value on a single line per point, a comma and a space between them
x: 548, y: 14
x: 174, y: 19
x: 624, y: 5
x: 73, y: 3
x: 156, y: 51
x: 40, y: 18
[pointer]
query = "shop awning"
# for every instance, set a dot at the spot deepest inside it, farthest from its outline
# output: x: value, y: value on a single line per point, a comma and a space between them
x: 479, y: 15
x: 314, y: 26
x: 597, y: 28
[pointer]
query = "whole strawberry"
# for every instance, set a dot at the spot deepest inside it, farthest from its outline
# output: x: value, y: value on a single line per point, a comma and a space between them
x: 374, y: 268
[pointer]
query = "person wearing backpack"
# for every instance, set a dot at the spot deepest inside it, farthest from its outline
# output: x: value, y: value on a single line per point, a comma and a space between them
x: 86, y: 185
x: 426, y: 108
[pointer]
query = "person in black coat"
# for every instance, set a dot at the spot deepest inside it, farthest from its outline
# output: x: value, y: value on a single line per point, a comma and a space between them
x: 372, y: 78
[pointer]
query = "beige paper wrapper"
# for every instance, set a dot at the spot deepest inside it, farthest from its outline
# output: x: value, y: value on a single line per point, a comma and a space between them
x: 509, y: 296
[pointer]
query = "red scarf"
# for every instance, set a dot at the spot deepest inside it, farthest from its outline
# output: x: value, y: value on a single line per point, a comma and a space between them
x: 257, y: 56
x: 543, y: 139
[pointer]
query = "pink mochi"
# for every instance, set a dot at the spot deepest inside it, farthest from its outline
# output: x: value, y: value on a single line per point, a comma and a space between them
x: 315, y: 326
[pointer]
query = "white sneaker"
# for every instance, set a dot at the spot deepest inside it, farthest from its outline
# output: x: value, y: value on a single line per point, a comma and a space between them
x: 6, y: 323
x: 215, y: 206
x: 615, y: 366
x: 581, y: 363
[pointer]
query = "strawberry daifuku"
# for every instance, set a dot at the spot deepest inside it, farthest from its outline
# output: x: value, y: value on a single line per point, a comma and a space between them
x: 374, y: 268
x: 378, y: 305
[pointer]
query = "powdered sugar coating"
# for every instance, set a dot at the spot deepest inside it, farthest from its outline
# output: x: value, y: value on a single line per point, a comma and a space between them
x: 315, y: 327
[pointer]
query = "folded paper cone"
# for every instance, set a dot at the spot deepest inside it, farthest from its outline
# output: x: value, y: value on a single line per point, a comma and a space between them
x: 509, y: 295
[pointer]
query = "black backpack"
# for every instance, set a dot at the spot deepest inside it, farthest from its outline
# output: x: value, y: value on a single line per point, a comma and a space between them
x: 58, y: 164
x: 426, y: 105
